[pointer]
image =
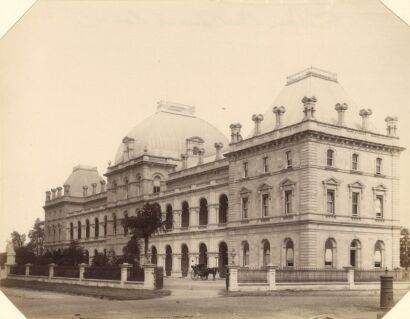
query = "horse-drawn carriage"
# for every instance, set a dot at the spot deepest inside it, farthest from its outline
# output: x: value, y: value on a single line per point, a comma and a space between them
x: 202, y: 271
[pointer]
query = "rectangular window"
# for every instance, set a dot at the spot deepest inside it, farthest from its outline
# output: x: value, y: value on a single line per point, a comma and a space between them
x: 245, y: 204
x: 355, y: 203
x: 378, y: 165
x: 379, y: 206
x: 330, y: 201
x: 265, y: 205
x: 355, y: 162
x: 329, y: 159
x: 265, y: 165
x: 245, y: 169
x: 288, y: 202
x: 288, y: 159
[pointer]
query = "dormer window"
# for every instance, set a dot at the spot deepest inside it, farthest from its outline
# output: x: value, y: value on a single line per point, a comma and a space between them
x: 288, y: 159
x: 156, y: 185
x: 355, y: 162
x: 330, y: 158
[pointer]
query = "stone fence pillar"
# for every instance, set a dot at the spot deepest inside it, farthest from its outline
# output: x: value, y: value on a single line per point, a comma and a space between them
x: 233, y: 278
x: 82, y: 267
x: 51, y: 270
x: 10, y: 257
x: 271, y: 276
x: 350, y: 276
x: 125, y: 272
x: 28, y: 269
x: 149, y: 276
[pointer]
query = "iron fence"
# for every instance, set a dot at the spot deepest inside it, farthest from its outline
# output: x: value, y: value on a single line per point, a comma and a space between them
x: 136, y: 273
x: 310, y: 275
x: 369, y: 275
x: 39, y: 270
x: 67, y: 271
x: 17, y: 270
x: 246, y: 275
x: 105, y: 272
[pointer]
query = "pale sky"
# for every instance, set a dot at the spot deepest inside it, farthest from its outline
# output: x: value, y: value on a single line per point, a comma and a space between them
x: 77, y: 76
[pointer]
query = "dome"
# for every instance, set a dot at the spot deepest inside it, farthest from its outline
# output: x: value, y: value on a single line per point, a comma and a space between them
x: 164, y: 134
x: 81, y: 176
x: 325, y: 87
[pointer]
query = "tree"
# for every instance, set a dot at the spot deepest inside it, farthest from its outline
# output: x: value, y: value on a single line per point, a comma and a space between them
x: 405, y: 248
x: 18, y: 239
x: 73, y: 255
x: 36, y: 236
x: 146, y: 223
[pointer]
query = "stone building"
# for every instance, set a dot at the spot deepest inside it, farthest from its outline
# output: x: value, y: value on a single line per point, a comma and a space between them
x: 315, y: 184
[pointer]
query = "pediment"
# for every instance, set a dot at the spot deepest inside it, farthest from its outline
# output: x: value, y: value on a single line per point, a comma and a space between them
x: 287, y: 182
x: 244, y: 190
x: 331, y: 181
x: 264, y: 186
x: 380, y: 188
x: 357, y: 184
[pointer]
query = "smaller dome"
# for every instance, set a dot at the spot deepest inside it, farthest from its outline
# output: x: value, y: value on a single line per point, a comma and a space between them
x: 81, y: 176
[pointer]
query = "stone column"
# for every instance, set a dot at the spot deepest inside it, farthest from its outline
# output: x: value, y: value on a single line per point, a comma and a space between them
x: 53, y: 193
x: 271, y: 273
x: 193, y: 217
x: 177, y: 219
x: 82, y: 269
x: 59, y: 191
x: 233, y: 278
x: 51, y: 270
x: 350, y: 276
x: 125, y: 272
x: 149, y: 276
x: 213, y: 214
x: 176, y: 265
x: 28, y: 269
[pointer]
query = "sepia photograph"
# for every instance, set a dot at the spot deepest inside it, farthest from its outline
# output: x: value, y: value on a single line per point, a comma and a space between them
x: 204, y: 159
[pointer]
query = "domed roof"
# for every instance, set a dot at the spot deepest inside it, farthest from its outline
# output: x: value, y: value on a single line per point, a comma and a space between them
x: 165, y: 133
x: 81, y: 176
x: 328, y: 92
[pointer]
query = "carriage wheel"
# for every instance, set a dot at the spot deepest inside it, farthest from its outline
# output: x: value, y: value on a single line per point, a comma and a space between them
x: 193, y: 274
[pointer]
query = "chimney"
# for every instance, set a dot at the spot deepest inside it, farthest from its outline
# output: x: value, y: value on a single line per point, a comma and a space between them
x: 48, y: 196
x: 201, y: 153
x: 85, y: 189
x: 66, y: 190
x: 365, y: 116
x: 94, y: 186
x: 59, y: 189
x: 278, y: 111
x: 184, y: 158
x: 236, y: 132
x: 309, y: 104
x: 102, y: 184
x: 257, y: 119
x: 218, y: 149
x: 341, y: 108
x: 391, y: 125
x: 53, y: 192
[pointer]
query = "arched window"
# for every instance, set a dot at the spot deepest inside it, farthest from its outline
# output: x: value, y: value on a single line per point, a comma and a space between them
x: 266, y: 252
x: 245, y: 254
x: 289, y: 253
x: 79, y: 230
x: 169, y: 217
x: 168, y: 260
x: 330, y: 158
x: 105, y: 225
x: 87, y: 229
x: 355, y: 162
x: 71, y: 231
x: 156, y: 185
x: 203, y: 212
x: 355, y: 253
x: 223, y: 209
x: 330, y: 253
x: 185, y: 215
x: 114, y: 223
x: 203, y: 254
x: 378, y: 254
x: 125, y: 225
x: 96, y: 227
x: 154, y: 254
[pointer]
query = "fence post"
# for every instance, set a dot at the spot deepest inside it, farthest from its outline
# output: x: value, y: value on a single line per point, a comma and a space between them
x: 125, y: 270
x: 233, y: 278
x: 271, y: 274
x: 350, y: 276
x: 149, y: 276
x: 28, y: 269
x: 82, y: 269
x: 10, y: 257
x: 51, y: 270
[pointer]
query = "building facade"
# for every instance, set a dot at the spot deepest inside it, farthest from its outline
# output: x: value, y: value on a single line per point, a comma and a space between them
x: 315, y: 184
